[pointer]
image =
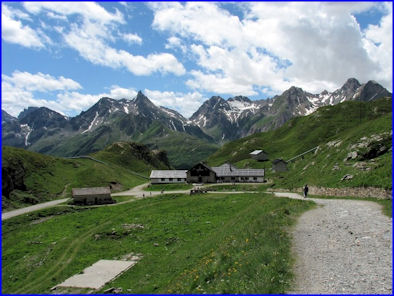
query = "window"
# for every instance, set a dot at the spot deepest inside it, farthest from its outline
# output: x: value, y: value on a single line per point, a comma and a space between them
x: 170, y: 179
x: 162, y: 179
x: 255, y: 178
x: 179, y: 179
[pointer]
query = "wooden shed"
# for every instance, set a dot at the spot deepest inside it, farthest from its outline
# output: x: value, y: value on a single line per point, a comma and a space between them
x: 92, y: 196
x: 279, y: 165
x: 259, y: 155
x: 201, y: 173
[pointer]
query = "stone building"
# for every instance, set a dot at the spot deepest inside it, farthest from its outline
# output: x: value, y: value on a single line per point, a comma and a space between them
x: 92, y: 196
x: 201, y: 173
x: 279, y: 165
x: 259, y: 155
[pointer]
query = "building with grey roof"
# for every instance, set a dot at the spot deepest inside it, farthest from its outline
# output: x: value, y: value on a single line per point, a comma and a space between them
x: 259, y: 155
x: 92, y: 196
x: 229, y: 173
x: 167, y: 176
x: 202, y: 173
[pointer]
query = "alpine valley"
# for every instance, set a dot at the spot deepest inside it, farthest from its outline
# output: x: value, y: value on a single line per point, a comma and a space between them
x: 186, y: 141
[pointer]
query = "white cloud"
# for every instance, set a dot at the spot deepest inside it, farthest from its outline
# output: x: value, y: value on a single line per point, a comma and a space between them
x: 378, y: 40
x: 14, y: 31
x: 276, y: 44
x: 132, y: 38
x: 91, y: 34
x: 94, y: 49
x: 39, y: 82
x: 89, y: 10
x: 185, y: 103
x: 23, y: 89
x: 175, y: 43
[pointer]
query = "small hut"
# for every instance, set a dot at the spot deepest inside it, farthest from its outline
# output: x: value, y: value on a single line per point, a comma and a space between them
x: 279, y: 165
x: 259, y: 155
x: 92, y: 196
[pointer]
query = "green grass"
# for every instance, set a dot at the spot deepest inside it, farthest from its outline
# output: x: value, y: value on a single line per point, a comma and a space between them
x: 199, y: 244
x: 346, y: 123
x: 168, y: 187
x: 239, y: 187
x: 387, y: 204
x: 47, y: 178
x: 123, y: 198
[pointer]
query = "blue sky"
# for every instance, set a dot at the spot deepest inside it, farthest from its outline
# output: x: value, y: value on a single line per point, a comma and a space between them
x: 67, y: 55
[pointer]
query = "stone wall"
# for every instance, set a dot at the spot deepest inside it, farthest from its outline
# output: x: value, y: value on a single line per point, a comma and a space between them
x: 373, y: 192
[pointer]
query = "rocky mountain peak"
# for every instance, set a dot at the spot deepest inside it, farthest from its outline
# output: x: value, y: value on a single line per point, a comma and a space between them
x: 351, y: 85
x: 142, y: 101
x: 5, y: 117
x: 240, y: 99
x: 371, y: 91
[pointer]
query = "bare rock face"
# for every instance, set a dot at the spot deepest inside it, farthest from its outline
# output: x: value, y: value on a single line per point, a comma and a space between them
x: 351, y: 155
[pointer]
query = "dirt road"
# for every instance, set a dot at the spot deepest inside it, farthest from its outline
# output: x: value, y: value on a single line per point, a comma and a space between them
x: 25, y: 210
x: 342, y: 247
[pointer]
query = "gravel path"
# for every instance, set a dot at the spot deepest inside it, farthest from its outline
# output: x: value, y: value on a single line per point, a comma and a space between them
x: 36, y: 207
x: 342, y: 247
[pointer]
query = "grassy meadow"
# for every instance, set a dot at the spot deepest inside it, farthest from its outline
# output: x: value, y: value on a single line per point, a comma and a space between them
x: 190, y: 244
x: 168, y: 187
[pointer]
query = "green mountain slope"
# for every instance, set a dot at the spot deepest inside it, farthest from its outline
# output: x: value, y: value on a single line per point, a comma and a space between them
x: 156, y: 136
x: 361, y: 128
x: 29, y: 177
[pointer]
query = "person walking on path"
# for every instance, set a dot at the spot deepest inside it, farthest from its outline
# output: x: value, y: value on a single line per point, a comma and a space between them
x: 306, y: 189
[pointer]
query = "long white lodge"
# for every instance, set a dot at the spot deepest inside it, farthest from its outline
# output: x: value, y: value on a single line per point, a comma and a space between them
x: 201, y: 173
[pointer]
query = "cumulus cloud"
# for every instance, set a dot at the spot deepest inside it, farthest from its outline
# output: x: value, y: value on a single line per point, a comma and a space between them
x: 378, y: 40
x: 14, y: 31
x: 315, y: 45
x: 88, y: 10
x: 132, y: 38
x: 92, y: 33
x: 39, y: 82
x: 184, y: 103
x: 21, y: 90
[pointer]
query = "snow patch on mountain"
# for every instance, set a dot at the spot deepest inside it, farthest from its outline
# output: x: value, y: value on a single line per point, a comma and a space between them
x: 26, y: 129
x: 92, y: 123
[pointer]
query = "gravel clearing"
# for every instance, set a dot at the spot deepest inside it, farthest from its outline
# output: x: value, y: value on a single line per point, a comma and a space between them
x: 342, y: 247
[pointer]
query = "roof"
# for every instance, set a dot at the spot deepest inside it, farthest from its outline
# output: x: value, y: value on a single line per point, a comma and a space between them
x: 256, y: 152
x: 168, y: 174
x: 228, y: 170
x: 278, y: 160
x: 90, y: 191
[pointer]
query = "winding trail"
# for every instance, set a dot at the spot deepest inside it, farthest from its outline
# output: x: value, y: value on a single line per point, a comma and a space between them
x: 342, y: 247
x: 36, y: 207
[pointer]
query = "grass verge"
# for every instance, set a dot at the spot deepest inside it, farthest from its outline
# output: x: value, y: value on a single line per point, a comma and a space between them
x: 199, y: 244
x: 239, y: 187
x: 168, y: 187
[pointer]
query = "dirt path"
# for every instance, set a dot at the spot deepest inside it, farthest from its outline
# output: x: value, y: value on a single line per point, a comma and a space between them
x: 36, y: 207
x: 342, y: 247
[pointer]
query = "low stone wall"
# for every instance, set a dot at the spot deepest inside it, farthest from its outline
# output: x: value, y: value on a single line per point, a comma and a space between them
x: 373, y: 192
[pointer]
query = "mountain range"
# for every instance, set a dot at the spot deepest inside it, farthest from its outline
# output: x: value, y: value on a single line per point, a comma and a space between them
x: 187, y: 141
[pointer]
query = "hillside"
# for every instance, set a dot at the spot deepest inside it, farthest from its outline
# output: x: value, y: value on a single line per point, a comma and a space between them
x: 30, y: 177
x: 354, y: 138
x: 216, y: 122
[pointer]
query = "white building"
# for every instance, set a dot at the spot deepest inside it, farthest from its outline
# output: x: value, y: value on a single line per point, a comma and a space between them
x: 168, y: 176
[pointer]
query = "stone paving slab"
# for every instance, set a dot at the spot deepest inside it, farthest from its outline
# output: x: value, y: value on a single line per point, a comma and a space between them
x: 97, y: 275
